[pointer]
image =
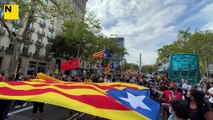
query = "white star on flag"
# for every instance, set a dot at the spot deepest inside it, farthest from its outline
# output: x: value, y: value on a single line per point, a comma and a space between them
x: 136, y: 101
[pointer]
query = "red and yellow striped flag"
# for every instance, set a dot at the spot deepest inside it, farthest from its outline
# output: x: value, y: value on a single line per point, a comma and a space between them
x: 89, y: 98
x: 107, y: 69
x: 45, y: 78
x: 101, y: 54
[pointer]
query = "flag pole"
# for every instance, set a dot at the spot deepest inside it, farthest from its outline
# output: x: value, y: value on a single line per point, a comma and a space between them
x: 100, y: 66
x: 78, y: 51
x: 78, y: 61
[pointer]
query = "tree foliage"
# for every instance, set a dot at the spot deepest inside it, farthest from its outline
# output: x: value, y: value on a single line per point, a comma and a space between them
x: 149, y: 69
x: 199, y: 43
x: 82, y: 38
x: 131, y: 67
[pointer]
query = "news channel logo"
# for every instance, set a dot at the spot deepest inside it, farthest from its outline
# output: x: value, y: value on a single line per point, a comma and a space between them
x: 11, y: 12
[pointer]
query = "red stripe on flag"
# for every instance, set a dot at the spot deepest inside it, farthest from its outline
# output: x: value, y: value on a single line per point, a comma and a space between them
x: 17, y: 83
x: 71, y: 85
x: 104, y: 102
x: 110, y: 87
x: 99, y: 54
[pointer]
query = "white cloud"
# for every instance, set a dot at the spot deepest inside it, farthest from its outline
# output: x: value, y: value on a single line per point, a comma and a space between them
x: 151, y: 23
x: 208, y: 26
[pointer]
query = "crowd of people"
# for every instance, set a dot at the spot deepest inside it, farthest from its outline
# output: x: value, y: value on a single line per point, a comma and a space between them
x: 179, y: 101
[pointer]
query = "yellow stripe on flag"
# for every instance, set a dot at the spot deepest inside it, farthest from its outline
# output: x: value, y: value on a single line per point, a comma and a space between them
x: 47, y: 78
x: 59, y: 100
x: 76, y: 96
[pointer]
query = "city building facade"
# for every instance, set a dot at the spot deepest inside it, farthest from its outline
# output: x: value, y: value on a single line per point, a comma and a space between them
x: 35, y: 52
x: 118, y: 59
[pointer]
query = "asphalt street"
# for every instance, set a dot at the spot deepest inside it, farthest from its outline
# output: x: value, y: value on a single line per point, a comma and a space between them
x: 51, y: 112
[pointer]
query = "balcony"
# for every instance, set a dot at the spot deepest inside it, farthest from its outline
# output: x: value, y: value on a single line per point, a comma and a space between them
x: 18, y: 37
x: 9, y: 50
x: 28, y: 40
x: 1, y: 48
x: 17, y: 23
x: 41, y: 33
x: 50, y: 38
x: 2, y: 31
x: 26, y: 54
x: 51, y: 28
x: 48, y: 47
x: 42, y: 23
x: 37, y: 56
x: 47, y: 57
x: 39, y: 44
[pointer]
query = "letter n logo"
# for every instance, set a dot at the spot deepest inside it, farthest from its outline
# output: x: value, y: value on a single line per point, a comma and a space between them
x: 11, y: 12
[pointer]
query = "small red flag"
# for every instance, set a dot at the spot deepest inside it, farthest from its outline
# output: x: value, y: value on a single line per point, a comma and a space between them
x: 71, y: 64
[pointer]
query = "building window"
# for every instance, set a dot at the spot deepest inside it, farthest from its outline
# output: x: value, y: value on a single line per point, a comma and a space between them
x: 37, y: 51
x: 1, y: 12
x: 18, y: 22
x: 16, y: 30
x: 11, y: 46
x: 31, y: 26
x: 62, y: 21
x: 43, y: 13
x: 52, y: 19
x: 50, y: 35
x: 4, y: 1
x: 39, y: 39
x: 25, y: 48
x: 41, y: 30
x: 51, y: 26
x: 45, y: 2
x: 42, y: 21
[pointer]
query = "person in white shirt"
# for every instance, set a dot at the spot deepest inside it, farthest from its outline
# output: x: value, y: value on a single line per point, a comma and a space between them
x: 185, y: 87
x: 210, y: 93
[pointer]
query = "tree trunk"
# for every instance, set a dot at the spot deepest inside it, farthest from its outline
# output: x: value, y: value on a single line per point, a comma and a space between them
x: 17, y: 47
x: 15, y: 58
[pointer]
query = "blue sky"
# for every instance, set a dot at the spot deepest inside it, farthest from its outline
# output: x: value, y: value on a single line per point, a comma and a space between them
x: 150, y: 24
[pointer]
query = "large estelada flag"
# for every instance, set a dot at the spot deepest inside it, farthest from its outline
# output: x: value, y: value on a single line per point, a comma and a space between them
x: 116, y: 101
x: 71, y: 64
x: 101, y: 54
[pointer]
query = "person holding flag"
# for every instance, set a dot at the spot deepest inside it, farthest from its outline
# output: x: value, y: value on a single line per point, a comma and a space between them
x: 108, y: 68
